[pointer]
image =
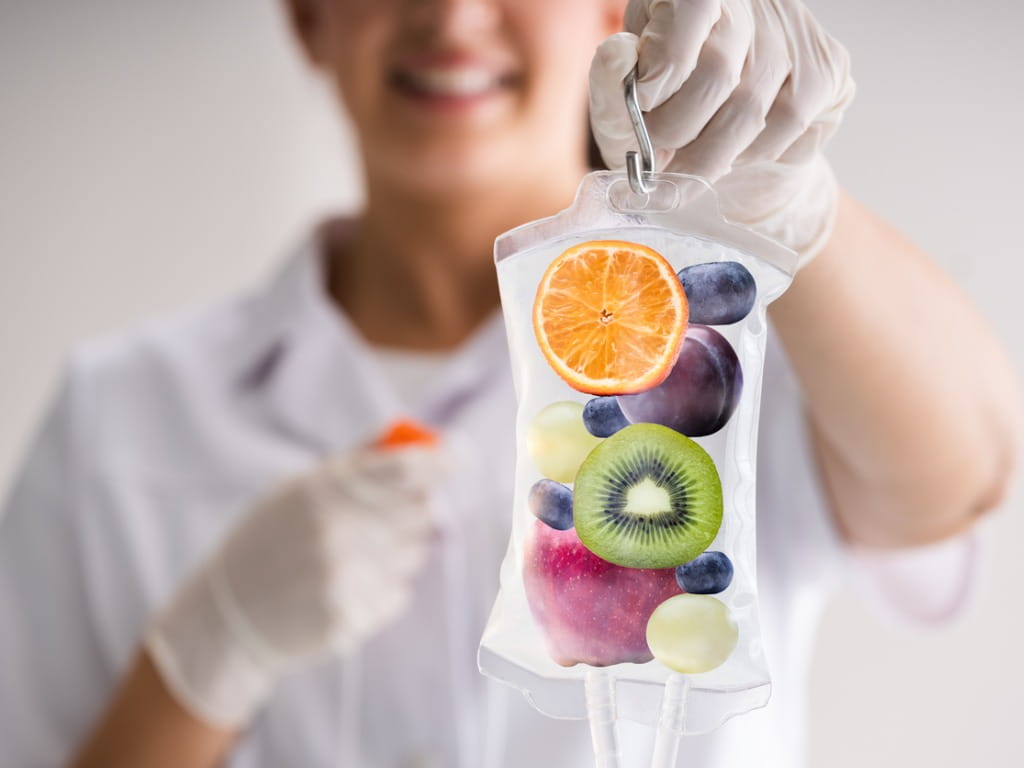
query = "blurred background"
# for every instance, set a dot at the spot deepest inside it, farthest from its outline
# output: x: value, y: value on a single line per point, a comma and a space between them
x: 155, y: 155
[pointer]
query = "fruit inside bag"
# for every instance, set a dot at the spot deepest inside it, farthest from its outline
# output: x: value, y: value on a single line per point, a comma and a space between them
x: 637, y: 327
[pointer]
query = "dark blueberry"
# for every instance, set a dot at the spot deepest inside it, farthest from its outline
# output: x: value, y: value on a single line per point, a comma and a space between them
x: 603, y: 418
x: 707, y: 574
x: 551, y: 503
x: 719, y: 293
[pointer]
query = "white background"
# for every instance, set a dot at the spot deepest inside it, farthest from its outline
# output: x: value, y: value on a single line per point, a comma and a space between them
x: 160, y: 154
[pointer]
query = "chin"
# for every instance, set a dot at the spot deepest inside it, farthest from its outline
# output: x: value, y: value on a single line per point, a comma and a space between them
x: 448, y: 168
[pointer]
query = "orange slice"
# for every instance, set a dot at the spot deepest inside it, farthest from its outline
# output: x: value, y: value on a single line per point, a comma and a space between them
x: 406, y: 432
x: 610, y: 317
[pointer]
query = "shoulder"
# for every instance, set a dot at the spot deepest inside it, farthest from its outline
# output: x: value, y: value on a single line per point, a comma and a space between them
x: 200, y: 352
x: 187, y: 350
x: 158, y: 387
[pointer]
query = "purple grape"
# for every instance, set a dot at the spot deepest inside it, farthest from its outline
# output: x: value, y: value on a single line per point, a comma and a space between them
x: 707, y: 574
x: 701, y: 391
x: 551, y: 503
x: 603, y: 418
x: 719, y: 293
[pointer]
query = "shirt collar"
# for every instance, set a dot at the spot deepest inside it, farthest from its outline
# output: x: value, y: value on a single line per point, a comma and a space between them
x: 319, y: 378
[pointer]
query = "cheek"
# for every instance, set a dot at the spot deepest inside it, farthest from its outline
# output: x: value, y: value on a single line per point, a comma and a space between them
x: 570, y: 25
x: 558, y: 39
x: 565, y: 32
x: 357, y: 33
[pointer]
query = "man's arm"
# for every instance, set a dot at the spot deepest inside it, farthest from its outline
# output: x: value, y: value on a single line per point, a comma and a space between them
x: 912, y: 401
x: 145, y: 725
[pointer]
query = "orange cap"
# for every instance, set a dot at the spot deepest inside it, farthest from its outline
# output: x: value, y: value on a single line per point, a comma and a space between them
x: 406, y: 432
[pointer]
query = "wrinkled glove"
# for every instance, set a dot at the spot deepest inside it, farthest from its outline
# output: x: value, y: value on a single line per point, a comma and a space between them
x: 317, y: 567
x: 742, y: 92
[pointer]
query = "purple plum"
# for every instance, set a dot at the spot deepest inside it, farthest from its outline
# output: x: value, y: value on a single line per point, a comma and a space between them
x: 699, y: 394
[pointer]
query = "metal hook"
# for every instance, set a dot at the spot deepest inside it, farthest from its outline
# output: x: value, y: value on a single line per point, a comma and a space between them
x: 639, y: 167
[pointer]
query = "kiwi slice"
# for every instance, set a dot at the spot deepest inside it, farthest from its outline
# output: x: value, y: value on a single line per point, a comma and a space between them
x: 647, y: 497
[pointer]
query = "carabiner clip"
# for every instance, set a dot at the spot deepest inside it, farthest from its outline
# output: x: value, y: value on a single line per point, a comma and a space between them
x: 639, y: 167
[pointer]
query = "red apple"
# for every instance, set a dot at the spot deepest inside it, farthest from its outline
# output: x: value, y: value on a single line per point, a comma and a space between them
x: 589, y: 610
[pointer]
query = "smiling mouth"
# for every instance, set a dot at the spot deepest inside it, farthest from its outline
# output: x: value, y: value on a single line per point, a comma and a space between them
x: 463, y: 83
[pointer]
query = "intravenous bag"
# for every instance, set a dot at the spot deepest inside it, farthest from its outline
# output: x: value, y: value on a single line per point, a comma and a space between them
x: 636, y: 326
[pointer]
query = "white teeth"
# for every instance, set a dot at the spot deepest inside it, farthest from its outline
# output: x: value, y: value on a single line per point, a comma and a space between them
x: 464, y: 81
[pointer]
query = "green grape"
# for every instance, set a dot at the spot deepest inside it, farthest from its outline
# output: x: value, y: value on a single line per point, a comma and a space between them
x: 558, y: 441
x: 691, y: 633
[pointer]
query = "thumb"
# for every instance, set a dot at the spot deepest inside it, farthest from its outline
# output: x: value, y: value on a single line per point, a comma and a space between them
x: 609, y: 120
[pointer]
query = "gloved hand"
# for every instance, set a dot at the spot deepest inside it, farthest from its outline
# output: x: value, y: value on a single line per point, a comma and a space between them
x: 742, y: 92
x: 316, y: 567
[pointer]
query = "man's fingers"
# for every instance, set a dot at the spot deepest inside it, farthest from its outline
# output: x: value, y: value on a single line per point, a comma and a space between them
x: 816, y: 94
x: 682, y: 118
x: 672, y: 35
x: 741, y: 119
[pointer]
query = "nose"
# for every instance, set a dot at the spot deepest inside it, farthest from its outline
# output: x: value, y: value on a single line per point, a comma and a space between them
x: 453, y: 18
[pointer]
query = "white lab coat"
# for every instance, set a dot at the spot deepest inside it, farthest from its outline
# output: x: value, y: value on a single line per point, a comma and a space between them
x: 160, y: 439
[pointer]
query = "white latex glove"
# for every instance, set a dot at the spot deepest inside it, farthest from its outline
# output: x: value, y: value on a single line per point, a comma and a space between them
x: 317, y: 567
x: 742, y: 92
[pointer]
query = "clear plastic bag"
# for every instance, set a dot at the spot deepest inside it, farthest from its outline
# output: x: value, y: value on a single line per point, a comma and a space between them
x: 558, y: 604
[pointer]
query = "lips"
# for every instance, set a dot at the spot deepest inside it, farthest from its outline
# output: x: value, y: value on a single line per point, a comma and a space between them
x: 452, y: 77
x: 450, y: 82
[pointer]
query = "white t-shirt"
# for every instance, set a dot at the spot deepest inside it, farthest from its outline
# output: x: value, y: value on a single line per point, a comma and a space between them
x: 161, y: 439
